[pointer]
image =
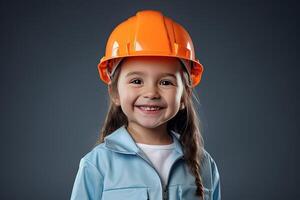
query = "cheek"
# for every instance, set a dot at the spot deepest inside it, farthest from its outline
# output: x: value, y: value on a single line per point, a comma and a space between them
x: 179, y: 93
x: 174, y: 97
x: 126, y: 96
x: 122, y: 90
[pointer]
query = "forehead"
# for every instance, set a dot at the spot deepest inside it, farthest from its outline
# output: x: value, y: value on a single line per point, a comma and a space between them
x: 151, y: 64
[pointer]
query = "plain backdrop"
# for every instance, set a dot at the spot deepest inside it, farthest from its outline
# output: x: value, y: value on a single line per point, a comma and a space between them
x: 53, y: 103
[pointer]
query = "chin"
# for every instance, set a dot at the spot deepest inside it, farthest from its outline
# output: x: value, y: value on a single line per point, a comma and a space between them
x: 150, y: 125
x: 144, y: 124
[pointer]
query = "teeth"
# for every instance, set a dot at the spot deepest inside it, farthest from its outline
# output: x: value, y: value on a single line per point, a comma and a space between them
x: 149, y: 108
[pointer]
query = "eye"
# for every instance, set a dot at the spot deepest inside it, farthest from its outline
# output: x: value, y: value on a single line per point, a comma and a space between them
x: 167, y: 82
x: 136, y: 81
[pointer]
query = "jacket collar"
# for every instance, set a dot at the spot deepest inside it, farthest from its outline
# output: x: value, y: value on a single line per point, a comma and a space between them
x: 121, y: 141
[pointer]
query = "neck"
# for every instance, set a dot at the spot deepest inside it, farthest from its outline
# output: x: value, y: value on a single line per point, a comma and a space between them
x: 154, y: 136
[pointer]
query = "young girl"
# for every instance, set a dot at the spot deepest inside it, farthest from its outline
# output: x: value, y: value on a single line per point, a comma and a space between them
x: 150, y: 146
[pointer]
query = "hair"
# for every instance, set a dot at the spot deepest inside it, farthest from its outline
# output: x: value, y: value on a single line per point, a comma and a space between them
x: 186, y: 123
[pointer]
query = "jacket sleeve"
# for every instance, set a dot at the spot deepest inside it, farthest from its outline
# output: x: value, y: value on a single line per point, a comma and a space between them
x: 216, y: 181
x: 88, y: 183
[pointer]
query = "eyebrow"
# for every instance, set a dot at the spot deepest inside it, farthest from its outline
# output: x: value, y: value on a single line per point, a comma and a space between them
x: 141, y: 73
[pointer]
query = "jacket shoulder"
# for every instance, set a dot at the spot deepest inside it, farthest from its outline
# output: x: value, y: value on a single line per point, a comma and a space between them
x: 96, y: 157
x: 209, y: 171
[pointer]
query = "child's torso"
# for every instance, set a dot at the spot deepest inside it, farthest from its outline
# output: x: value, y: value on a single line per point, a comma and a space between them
x: 129, y: 174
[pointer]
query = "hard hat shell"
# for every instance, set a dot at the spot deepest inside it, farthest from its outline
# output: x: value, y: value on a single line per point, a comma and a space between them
x: 149, y: 33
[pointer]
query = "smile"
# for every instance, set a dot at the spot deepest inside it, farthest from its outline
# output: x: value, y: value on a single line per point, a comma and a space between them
x: 149, y: 108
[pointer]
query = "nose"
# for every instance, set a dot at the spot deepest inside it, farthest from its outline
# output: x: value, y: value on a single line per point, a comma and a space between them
x: 151, y: 92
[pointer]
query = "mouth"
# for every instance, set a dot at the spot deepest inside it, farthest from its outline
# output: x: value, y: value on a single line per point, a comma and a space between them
x: 150, y: 108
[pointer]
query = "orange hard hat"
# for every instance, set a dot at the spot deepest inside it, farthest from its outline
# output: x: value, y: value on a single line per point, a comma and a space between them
x: 149, y: 33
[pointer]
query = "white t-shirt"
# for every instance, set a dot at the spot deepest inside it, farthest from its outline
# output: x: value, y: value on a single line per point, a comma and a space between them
x: 160, y: 156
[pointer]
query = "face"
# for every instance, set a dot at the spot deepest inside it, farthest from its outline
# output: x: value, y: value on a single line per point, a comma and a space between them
x: 150, y: 90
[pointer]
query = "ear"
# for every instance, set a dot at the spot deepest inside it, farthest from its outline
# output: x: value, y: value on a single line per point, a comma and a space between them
x: 182, y: 106
x: 114, y: 96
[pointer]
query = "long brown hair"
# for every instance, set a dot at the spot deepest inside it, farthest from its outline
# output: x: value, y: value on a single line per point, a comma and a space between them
x: 185, y: 122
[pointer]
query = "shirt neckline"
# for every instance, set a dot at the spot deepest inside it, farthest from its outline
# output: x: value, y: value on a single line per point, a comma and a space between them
x: 155, y: 146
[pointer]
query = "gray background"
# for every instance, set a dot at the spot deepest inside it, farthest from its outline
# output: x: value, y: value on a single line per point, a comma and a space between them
x: 53, y: 103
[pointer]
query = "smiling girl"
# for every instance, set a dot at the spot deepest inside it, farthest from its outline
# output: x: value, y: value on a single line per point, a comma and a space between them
x: 150, y: 146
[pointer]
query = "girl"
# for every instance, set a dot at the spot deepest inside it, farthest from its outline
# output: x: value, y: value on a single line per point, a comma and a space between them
x: 150, y: 146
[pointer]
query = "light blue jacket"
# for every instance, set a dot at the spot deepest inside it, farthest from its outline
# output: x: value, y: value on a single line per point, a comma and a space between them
x: 118, y: 169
